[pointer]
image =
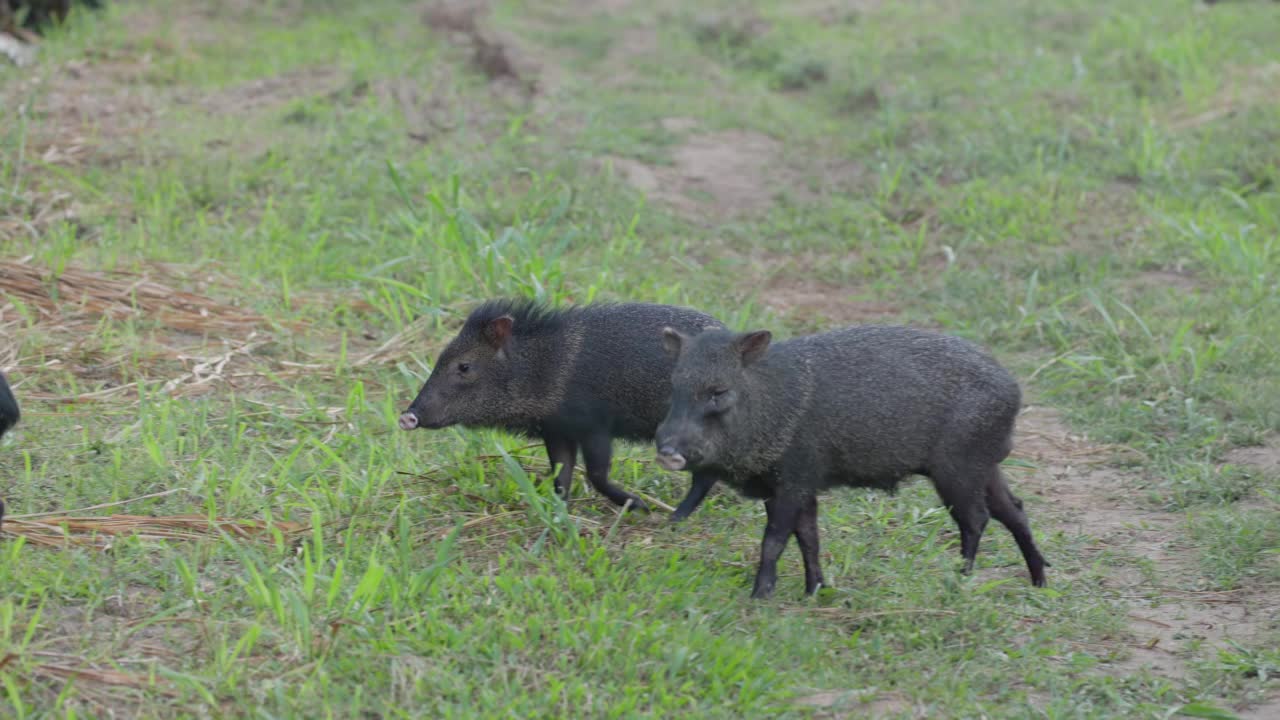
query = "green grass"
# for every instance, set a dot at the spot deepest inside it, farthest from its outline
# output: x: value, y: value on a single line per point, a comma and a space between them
x: 1088, y: 189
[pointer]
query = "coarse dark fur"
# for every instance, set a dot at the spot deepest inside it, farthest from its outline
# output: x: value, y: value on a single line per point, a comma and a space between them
x: 9, y: 416
x: 576, y: 377
x: 859, y: 407
x: 36, y: 14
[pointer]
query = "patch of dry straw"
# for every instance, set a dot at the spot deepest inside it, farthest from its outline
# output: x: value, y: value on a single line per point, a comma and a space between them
x: 63, y: 528
x: 117, y: 295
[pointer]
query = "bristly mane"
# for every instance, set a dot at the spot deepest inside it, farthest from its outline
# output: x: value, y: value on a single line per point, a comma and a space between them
x: 531, y: 316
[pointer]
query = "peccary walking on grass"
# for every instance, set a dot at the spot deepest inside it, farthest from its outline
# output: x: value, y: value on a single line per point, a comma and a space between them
x: 9, y: 416
x: 860, y: 407
x: 575, y: 377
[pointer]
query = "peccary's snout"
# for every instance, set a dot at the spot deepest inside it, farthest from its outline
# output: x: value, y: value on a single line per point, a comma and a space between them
x: 670, y: 458
x: 426, y: 412
x: 675, y: 452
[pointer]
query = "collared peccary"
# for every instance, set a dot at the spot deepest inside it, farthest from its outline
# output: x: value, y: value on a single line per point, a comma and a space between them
x: 9, y: 417
x: 860, y: 407
x: 575, y: 377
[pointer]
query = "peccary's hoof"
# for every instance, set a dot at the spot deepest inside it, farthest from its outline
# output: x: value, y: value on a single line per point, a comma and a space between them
x: 763, y: 590
x: 633, y: 504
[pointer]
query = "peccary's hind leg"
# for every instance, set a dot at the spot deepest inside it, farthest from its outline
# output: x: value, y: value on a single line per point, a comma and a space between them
x: 1007, y: 508
x: 806, y: 533
x: 563, y: 452
x: 698, y: 489
x: 784, y: 514
x: 597, y: 452
x: 964, y: 498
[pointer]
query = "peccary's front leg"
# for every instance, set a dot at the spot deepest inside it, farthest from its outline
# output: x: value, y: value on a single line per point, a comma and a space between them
x: 784, y: 513
x: 698, y: 489
x: 597, y: 452
x: 563, y: 452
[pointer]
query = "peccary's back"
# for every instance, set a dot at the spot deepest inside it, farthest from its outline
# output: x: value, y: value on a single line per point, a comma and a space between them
x: 622, y: 375
x: 891, y: 401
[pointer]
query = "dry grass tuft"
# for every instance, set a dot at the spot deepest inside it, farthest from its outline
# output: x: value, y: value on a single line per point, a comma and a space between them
x: 1245, y: 87
x: 118, y: 295
x: 99, y: 532
x: 101, y: 676
x: 399, y: 345
x: 63, y: 528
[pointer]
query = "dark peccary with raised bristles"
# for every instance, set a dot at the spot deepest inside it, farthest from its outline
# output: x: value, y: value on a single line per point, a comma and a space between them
x: 9, y: 417
x: 577, y: 378
x: 859, y: 407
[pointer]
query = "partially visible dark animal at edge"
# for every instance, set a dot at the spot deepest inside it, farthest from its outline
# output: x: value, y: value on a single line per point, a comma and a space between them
x: 37, y: 14
x: 9, y: 416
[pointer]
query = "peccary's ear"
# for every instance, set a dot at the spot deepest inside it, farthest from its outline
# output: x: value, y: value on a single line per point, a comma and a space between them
x: 498, y: 330
x: 672, y: 341
x: 752, y: 345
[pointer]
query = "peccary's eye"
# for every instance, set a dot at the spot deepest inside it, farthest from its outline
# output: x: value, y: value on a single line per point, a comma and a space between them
x: 464, y: 368
x: 717, y: 393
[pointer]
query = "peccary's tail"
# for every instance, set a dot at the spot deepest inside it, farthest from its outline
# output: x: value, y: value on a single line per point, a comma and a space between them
x: 1007, y: 508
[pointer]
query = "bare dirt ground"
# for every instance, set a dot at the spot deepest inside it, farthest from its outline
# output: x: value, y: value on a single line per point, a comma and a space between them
x: 1086, y: 497
x: 722, y: 175
x: 1265, y: 458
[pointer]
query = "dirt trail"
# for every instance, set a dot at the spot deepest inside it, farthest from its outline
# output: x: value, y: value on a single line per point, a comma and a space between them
x: 1139, y: 551
x: 717, y: 176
